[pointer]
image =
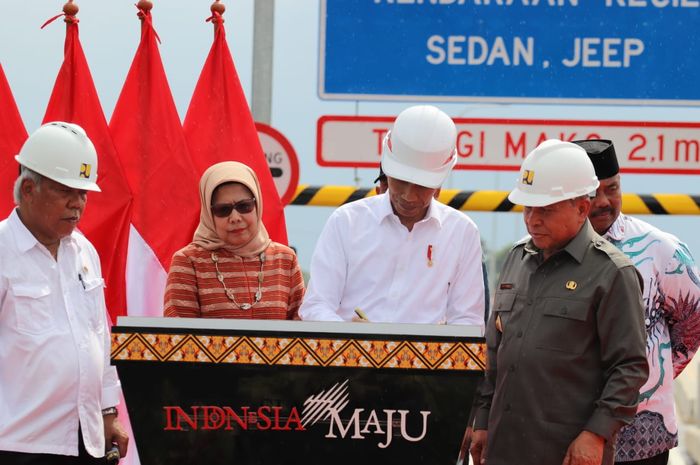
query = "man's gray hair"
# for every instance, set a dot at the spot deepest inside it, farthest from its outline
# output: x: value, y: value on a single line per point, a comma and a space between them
x: 25, y: 173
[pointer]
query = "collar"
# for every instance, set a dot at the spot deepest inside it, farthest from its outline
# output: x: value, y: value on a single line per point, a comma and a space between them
x: 384, y: 207
x: 576, y: 248
x: 24, y: 239
x: 616, y: 232
x: 386, y: 211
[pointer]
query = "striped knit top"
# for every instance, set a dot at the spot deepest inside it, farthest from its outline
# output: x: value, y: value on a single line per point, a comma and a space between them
x: 193, y: 290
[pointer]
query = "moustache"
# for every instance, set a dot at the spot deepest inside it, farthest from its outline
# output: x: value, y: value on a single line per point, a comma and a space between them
x: 408, y: 205
x: 603, y: 211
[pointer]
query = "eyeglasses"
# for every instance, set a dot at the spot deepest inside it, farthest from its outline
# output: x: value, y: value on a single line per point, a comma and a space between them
x: 223, y: 210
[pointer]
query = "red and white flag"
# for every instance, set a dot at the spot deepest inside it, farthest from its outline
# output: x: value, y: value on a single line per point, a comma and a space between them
x: 107, y: 216
x: 219, y: 127
x: 12, y: 136
x: 148, y: 135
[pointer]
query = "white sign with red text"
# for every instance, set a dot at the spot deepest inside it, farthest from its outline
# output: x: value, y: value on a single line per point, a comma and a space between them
x: 502, y: 144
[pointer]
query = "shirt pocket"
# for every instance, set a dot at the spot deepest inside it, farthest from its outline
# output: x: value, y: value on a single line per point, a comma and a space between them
x: 503, y: 303
x: 92, y: 297
x: 564, y: 326
x: 32, y: 307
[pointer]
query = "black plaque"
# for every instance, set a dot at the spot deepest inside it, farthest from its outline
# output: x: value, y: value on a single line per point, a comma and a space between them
x: 233, y: 392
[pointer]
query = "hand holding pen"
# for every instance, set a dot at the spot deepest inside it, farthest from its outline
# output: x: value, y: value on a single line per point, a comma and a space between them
x: 361, y: 317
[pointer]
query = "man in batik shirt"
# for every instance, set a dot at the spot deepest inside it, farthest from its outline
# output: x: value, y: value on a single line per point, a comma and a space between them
x: 672, y: 300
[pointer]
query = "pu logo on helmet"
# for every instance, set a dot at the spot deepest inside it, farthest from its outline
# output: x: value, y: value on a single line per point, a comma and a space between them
x: 528, y: 177
x: 85, y: 170
x: 571, y: 285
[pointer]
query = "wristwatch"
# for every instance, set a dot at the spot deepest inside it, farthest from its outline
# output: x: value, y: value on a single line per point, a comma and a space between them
x: 110, y: 411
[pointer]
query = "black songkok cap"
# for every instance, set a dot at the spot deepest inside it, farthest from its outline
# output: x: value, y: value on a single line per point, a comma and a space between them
x: 381, y: 176
x: 602, y: 155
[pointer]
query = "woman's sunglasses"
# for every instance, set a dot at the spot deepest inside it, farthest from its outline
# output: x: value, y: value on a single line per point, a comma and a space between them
x: 223, y: 210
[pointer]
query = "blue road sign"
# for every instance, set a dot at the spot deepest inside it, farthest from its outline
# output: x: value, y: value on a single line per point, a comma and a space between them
x: 540, y: 51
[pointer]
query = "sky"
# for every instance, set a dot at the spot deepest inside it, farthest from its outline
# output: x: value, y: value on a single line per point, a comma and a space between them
x: 109, y: 33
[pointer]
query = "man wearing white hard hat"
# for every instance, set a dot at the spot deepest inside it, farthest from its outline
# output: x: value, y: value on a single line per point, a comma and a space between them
x: 58, y: 391
x: 401, y: 256
x: 566, y: 339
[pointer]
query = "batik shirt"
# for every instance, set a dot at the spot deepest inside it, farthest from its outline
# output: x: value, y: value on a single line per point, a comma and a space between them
x: 672, y: 316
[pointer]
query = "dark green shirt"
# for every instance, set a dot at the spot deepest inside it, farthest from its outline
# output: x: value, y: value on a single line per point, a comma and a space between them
x: 568, y: 353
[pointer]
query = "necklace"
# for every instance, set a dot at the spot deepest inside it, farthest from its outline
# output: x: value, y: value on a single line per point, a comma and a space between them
x: 229, y: 292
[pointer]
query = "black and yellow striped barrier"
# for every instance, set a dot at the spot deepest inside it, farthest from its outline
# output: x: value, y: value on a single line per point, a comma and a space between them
x: 497, y: 201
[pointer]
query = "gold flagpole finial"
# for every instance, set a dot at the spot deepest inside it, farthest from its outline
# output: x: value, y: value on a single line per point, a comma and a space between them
x: 218, y: 7
x: 70, y: 9
x: 145, y: 5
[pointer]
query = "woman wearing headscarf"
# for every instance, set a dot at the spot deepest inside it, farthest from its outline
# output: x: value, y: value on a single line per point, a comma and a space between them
x: 232, y: 269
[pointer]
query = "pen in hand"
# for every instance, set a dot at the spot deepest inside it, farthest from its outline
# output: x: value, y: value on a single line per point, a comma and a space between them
x: 360, y: 315
x: 112, y: 456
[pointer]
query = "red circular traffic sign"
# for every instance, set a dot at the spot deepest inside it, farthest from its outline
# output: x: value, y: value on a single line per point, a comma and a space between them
x: 282, y: 159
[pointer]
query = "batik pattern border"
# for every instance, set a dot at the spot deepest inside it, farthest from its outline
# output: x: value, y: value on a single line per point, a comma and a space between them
x: 299, y: 351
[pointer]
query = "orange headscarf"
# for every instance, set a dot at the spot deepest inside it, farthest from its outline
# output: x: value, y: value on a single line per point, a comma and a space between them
x: 205, y: 236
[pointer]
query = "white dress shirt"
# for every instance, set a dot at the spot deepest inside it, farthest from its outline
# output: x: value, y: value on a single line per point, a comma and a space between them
x: 365, y: 258
x: 54, y: 345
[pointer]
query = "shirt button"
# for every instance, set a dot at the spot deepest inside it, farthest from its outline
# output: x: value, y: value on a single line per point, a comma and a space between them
x: 520, y: 334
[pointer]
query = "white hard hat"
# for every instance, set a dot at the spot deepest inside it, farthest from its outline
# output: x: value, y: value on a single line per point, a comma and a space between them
x: 420, y: 148
x: 553, y: 172
x: 61, y: 152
